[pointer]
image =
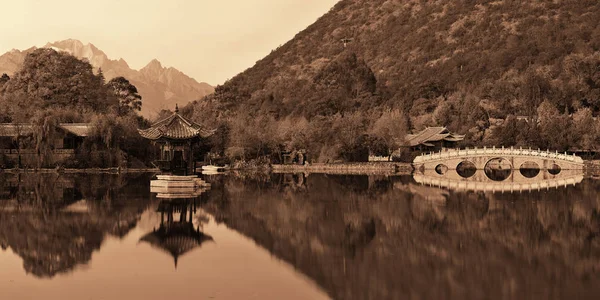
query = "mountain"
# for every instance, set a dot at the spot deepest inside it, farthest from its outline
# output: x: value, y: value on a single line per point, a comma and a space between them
x: 160, y: 87
x: 501, y: 57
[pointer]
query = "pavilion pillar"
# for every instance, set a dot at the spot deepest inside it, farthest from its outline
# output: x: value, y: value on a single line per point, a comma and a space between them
x: 190, y: 159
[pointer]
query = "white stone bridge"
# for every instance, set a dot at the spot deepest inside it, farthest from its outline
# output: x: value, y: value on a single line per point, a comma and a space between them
x: 498, y: 169
x: 498, y: 157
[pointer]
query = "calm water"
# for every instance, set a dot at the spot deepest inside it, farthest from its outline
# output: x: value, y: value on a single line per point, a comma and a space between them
x: 295, y: 237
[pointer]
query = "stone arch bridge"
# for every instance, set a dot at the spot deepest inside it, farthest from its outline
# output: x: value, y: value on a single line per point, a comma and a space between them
x: 498, y: 169
x: 498, y: 157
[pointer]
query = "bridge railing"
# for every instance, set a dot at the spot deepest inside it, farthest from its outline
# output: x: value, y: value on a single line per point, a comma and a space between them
x: 453, y: 153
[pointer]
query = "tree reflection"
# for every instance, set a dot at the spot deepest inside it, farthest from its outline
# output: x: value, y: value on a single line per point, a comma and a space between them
x: 388, y: 238
x: 55, y: 222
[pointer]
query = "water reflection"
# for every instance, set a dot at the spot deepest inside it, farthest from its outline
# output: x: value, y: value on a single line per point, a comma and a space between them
x: 356, y: 237
x: 382, y: 237
x: 56, y: 222
x: 177, y: 237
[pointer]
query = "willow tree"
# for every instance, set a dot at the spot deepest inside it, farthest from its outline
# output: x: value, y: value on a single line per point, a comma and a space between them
x: 44, y: 135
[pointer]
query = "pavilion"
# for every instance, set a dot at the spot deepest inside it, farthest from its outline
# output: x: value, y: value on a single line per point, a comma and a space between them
x: 177, y: 137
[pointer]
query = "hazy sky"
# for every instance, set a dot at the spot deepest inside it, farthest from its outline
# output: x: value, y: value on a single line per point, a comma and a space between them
x: 208, y: 40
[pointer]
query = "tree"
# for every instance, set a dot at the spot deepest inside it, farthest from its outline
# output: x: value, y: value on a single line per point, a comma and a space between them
x: 391, y: 128
x: 3, y: 79
x: 127, y: 95
x: 44, y: 135
x: 547, y: 112
x: 54, y: 79
x: 584, y: 129
x: 443, y: 114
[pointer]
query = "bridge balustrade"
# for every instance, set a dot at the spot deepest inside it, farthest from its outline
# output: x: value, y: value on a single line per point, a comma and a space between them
x: 445, y: 154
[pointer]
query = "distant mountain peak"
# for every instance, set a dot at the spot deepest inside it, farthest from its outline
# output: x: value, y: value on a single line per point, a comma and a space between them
x: 154, y: 65
x: 123, y: 62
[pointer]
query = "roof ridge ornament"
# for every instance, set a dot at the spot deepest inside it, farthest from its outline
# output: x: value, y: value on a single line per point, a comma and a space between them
x: 176, y: 108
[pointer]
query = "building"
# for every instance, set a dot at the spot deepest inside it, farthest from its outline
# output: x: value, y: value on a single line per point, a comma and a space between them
x: 433, y: 139
x: 176, y: 137
x: 17, y: 145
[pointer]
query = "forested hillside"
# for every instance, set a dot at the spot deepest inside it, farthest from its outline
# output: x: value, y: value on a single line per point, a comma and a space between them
x: 411, y: 64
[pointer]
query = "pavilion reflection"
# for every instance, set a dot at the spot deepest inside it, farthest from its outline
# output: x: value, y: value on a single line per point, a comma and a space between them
x: 176, y: 234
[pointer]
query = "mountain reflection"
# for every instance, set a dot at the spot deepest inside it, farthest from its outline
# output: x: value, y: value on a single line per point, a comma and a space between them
x: 55, y: 222
x: 365, y: 237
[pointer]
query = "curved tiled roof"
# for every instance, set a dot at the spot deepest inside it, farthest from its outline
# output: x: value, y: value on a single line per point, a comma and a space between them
x: 175, y: 127
x: 432, y: 134
x: 176, y: 239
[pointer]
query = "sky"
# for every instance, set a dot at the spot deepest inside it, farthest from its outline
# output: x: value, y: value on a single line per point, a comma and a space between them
x: 211, y: 41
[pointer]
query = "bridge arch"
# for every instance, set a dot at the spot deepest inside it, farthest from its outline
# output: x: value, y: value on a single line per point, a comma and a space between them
x: 441, y: 169
x: 466, y: 169
x: 554, y: 169
x: 529, y: 169
x: 498, y: 169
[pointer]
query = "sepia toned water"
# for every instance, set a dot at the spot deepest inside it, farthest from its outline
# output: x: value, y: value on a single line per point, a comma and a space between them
x: 295, y: 236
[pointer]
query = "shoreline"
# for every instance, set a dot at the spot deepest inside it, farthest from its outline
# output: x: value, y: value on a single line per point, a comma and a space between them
x: 81, y: 171
x: 592, y: 167
x: 359, y: 168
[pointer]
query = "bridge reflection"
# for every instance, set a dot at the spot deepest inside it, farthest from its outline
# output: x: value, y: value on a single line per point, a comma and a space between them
x: 506, y: 180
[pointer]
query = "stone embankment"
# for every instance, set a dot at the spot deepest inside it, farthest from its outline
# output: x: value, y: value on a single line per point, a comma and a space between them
x: 365, y: 168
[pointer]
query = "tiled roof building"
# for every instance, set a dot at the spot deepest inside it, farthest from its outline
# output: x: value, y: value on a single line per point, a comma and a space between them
x: 24, y: 129
x: 176, y: 137
x: 18, y: 149
x: 433, y: 137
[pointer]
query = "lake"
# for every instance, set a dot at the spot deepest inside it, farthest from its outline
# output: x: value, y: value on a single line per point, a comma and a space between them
x: 294, y: 236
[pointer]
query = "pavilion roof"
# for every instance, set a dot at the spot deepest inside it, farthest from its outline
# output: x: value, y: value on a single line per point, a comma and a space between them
x: 176, y: 239
x: 432, y: 134
x: 175, y: 127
